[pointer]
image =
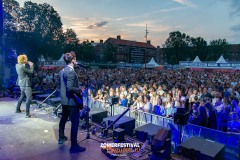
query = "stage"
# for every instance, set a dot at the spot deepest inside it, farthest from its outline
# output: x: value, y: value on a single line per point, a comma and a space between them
x: 37, y: 138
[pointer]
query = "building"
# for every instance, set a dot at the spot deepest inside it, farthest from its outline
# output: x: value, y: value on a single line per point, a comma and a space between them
x: 99, y: 50
x: 160, y: 55
x: 130, y: 51
x: 234, y: 52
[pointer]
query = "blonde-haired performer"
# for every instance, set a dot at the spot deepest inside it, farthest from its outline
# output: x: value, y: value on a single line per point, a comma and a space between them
x: 24, y: 68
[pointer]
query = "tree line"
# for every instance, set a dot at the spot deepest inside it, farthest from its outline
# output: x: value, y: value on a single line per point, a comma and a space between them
x: 182, y: 47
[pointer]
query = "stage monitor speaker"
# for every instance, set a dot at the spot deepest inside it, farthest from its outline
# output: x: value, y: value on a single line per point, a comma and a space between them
x: 98, y: 115
x: 197, y: 148
x: 118, y: 135
x: 161, y: 145
x: 125, y: 122
x: 147, y: 131
x: 160, y: 137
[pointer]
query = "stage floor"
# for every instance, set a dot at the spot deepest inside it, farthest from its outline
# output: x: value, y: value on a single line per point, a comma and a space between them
x: 37, y: 138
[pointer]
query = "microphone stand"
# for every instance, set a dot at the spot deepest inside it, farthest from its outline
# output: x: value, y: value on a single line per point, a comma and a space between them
x: 39, y: 105
x: 87, y: 109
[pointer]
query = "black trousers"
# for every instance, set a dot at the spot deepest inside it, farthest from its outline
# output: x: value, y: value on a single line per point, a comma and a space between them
x: 73, y: 113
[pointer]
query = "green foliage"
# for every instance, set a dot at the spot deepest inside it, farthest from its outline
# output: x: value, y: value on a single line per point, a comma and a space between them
x: 109, y: 52
x: 199, y: 48
x: 35, y: 29
x: 217, y: 48
x: 11, y: 14
x: 178, y: 44
x: 71, y: 42
x: 87, y: 52
x: 181, y: 47
x: 173, y: 60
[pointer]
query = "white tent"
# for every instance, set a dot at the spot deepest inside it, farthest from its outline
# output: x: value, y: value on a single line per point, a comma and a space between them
x: 221, y: 60
x: 41, y: 59
x: 61, y: 59
x: 197, y: 60
x: 152, y: 63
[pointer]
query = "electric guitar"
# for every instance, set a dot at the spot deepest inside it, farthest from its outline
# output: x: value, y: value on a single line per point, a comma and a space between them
x: 78, y: 100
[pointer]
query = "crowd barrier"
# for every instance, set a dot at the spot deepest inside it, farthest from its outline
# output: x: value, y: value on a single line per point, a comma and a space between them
x: 230, y: 140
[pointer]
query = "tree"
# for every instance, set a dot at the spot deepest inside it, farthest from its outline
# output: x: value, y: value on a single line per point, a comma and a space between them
x: 199, y: 48
x: 173, y: 60
x: 41, y: 30
x: 71, y: 42
x: 109, y: 51
x: 44, y: 20
x: 87, y: 51
x: 217, y: 48
x: 178, y: 45
x: 11, y: 15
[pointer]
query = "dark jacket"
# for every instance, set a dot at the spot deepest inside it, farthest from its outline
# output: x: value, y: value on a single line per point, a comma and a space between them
x: 212, y: 116
x: 212, y: 119
x: 68, y: 86
x: 200, y: 121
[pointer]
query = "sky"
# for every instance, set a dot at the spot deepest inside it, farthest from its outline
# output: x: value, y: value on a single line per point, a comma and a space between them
x: 101, y: 19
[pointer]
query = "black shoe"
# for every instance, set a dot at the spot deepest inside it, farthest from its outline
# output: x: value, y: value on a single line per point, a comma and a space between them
x: 61, y: 140
x: 18, y: 111
x: 76, y: 149
x: 29, y: 116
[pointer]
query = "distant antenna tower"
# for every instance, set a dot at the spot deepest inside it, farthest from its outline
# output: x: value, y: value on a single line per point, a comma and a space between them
x: 146, y: 33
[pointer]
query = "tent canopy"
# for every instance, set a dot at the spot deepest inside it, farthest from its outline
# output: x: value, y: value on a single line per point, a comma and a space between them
x: 221, y: 60
x: 61, y: 59
x: 41, y: 58
x: 196, y: 60
x: 152, y: 63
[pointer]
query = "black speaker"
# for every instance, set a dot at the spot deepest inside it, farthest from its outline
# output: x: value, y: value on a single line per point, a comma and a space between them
x: 98, y: 115
x: 161, y: 145
x: 198, y: 149
x: 147, y: 131
x: 118, y: 135
x: 125, y: 122
x: 113, y: 100
x: 160, y: 137
x: 181, y: 117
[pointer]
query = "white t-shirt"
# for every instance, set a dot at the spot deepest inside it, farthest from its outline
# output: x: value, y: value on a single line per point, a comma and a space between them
x: 147, y: 107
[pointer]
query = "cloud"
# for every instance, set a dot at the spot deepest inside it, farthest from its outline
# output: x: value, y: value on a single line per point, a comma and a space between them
x: 97, y: 25
x: 235, y: 12
x: 185, y: 3
x: 149, y: 13
x: 236, y: 28
x: 82, y: 24
x: 236, y: 8
x: 153, y: 27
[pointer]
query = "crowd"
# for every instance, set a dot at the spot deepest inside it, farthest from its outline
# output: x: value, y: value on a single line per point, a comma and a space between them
x: 211, y: 98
